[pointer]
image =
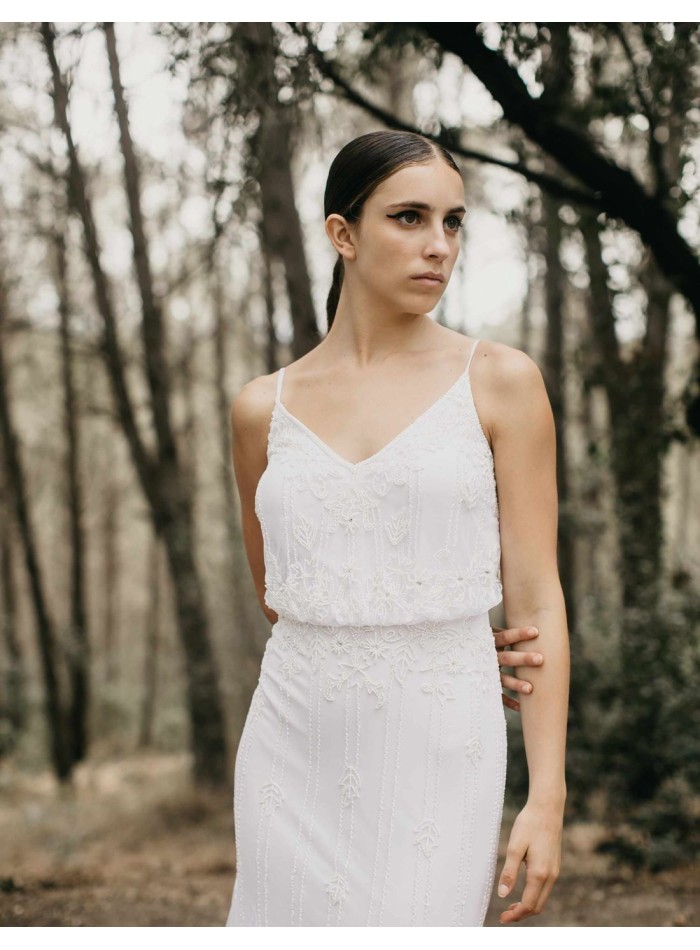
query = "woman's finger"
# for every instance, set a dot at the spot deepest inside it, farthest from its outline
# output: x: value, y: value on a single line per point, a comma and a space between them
x: 510, y: 682
x: 511, y: 703
x: 531, y: 894
x: 546, y: 891
x: 504, y: 637
x: 520, y: 658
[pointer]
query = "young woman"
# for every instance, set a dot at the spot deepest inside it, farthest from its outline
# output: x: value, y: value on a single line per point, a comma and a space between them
x: 396, y: 483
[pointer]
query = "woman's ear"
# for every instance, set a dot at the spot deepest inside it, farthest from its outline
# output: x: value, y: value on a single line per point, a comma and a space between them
x: 341, y: 236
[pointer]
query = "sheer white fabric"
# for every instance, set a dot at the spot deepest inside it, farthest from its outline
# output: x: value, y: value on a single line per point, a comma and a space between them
x: 370, y: 774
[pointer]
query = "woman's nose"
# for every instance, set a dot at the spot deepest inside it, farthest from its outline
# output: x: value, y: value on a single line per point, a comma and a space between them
x: 438, y: 245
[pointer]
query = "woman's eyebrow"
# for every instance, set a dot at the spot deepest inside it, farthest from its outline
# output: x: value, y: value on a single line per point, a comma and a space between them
x: 423, y: 206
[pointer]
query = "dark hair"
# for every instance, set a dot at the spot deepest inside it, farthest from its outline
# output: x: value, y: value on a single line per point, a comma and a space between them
x: 358, y: 168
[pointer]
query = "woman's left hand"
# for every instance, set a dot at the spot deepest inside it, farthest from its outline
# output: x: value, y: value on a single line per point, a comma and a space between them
x: 535, y: 839
x: 509, y: 657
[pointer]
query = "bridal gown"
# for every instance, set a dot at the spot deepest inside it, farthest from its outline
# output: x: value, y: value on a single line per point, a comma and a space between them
x: 370, y: 775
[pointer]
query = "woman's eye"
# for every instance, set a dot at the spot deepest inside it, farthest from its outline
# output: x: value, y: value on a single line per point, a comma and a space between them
x: 455, y: 226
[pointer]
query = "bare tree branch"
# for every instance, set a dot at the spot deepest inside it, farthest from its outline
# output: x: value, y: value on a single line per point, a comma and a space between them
x: 655, y: 148
x: 622, y: 195
x: 548, y: 183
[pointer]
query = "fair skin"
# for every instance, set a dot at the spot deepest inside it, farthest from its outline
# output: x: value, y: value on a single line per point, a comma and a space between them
x: 380, y: 339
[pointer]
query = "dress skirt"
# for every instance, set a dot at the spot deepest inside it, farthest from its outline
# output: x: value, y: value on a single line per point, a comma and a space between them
x: 370, y: 777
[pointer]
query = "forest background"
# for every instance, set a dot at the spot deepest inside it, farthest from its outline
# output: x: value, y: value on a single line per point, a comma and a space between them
x: 162, y: 242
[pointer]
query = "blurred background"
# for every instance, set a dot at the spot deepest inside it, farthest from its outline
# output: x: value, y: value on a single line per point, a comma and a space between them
x: 162, y: 243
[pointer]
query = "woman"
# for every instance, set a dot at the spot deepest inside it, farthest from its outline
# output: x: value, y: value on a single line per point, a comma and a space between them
x: 383, y: 516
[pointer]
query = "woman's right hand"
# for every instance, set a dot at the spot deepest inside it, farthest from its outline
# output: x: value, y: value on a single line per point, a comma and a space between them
x: 508, y: 657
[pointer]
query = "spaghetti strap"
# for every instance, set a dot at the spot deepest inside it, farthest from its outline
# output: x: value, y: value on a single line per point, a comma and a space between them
x: 471, y: 355
x: 280, y: 377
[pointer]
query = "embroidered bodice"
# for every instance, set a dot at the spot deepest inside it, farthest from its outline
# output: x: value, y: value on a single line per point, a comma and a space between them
x: 409, y: 534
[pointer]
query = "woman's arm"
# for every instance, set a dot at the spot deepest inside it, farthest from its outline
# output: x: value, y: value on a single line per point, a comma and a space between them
x: 250, y: 424
x: 524, y: 443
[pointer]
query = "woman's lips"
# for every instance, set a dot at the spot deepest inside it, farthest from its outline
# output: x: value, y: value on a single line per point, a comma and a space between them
x: 428, y: 281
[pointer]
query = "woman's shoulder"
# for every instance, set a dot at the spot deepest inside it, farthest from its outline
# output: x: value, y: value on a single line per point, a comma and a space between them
x: 504, y: 368
x: 500, y: 356
x: 252, y: 406
x: 505, y: 382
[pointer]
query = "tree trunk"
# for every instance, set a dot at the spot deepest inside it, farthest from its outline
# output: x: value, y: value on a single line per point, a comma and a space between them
x: 13, y: 678
x: 525, y: 325
x: 175, y: 519
x: 54, y: 704
x: 271, y: 362
x: 280, y: 220
x: 554, y: 375
x: 635, y: 391
x: 160, y: 475
x: 245, y: 610
x: 77, y: 637
x: 187, y: 437
x: 245, y: 613
x: 152, y: 638
x: 111, y: 569
x: 558, y: 75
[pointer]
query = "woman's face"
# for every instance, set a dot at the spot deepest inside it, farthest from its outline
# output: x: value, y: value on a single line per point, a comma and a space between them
x: 409, y: 225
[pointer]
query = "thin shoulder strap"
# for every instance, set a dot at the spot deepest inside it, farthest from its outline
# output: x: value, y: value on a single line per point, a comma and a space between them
x: 471, y: 355
x: 280, y: 377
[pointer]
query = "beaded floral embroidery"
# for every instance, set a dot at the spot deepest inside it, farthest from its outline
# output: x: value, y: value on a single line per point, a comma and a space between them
x: 317, y: 510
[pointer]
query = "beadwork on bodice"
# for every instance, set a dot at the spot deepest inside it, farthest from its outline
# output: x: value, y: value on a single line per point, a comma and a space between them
x: 408, y: 535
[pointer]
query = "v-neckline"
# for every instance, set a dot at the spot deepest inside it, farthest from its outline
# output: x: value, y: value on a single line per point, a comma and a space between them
x: 400, y: 435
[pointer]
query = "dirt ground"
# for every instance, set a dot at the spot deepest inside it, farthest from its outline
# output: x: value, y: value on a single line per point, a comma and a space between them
x: 133, y: 845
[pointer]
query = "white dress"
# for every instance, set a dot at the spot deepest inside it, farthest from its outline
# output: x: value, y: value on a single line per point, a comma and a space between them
x: 370, y: 775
